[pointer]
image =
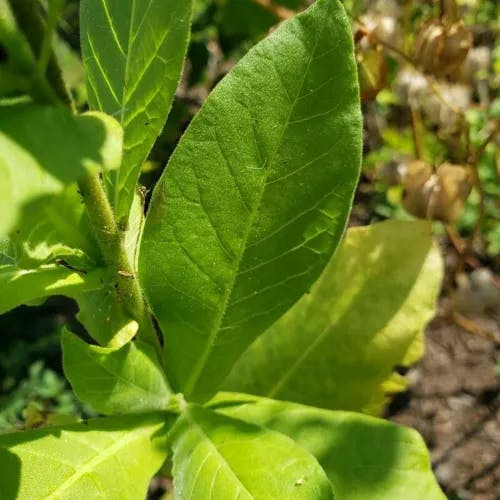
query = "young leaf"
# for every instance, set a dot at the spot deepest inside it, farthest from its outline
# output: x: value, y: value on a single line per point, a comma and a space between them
x: 63, y: 149
x: 133, y: 51
x: 124, y: 380
x: 255, y: 197
x: 112, y: 458
x: 220, y: 457
x: 365, y: 458
x: 337, y: 347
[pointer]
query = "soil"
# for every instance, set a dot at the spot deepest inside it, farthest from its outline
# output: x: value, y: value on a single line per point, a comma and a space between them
x: 454, y: 402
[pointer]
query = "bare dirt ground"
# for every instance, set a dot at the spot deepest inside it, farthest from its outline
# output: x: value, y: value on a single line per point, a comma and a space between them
x: 454, y: 402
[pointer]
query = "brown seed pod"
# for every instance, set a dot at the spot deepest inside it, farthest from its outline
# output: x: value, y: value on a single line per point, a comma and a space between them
x: 438, y: 195
x: 418, y: 184
x: 455, y: 185
x: 441, y: 48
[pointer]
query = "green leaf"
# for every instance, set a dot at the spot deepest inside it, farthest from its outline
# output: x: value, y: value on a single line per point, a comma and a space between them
x: 337, y: 348
x: 63, y: 149
x: 133, y: 51
x: 365, y: 458
x: 124, y: 380
x: 111, y: 458
x: 51, y: 251
x: 53, y: 227
x: 255, y: 197
x: 22, y: 286
x: 220, y: 457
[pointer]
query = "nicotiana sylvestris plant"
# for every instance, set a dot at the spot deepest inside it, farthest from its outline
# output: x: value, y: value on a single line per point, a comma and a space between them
x: 258, y: 380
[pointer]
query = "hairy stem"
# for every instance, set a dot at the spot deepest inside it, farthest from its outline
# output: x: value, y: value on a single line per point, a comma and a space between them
x: 112, y: 247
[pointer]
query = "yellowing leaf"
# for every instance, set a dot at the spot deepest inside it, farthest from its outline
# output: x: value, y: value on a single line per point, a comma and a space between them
x: 338, y: 346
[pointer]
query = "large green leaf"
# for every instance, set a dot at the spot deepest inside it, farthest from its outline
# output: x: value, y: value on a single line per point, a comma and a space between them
x: 365, y: 458
x: 255, y: 197
x: 124, y: 380
x: 133, y: 51
x: 111, y: 458
x: 43, y: 149
x: 337, y: 348
x: 224, y: 458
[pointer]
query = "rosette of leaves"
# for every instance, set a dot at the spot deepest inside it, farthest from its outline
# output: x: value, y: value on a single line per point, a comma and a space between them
x: 244, y: 220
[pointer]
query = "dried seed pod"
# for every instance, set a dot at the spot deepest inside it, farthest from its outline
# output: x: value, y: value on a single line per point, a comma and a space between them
x: 383, y: 28
x: 418, y: 183
x: 411, y: 86
x: 443, y: 106
x: 438, y: 195
x: 441, y: 48
x: 455, y: 185
x: 476, y: 65
x: 372, y: 71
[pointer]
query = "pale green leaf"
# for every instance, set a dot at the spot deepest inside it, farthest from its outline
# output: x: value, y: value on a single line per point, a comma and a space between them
x: 365, y: 458
x: 124, y: 380
x: 255, y: 197
x: 43, y: 149
x: 51, y: 252
x: 217, y: 457
x: 133, y: 51
x: 337, y: 347
x: 23, y: 286
x: 111, y: 458
x: 55, y: 227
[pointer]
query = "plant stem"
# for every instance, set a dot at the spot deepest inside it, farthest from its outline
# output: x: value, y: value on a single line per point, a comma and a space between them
x: 54, y: 9
x: 416, y: 127
x: 110, y: 241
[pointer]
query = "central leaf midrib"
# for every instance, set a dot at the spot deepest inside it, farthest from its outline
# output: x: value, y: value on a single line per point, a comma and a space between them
x: 202, y: 360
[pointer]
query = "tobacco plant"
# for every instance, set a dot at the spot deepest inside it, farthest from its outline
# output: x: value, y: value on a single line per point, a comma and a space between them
x: 217, y: 355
